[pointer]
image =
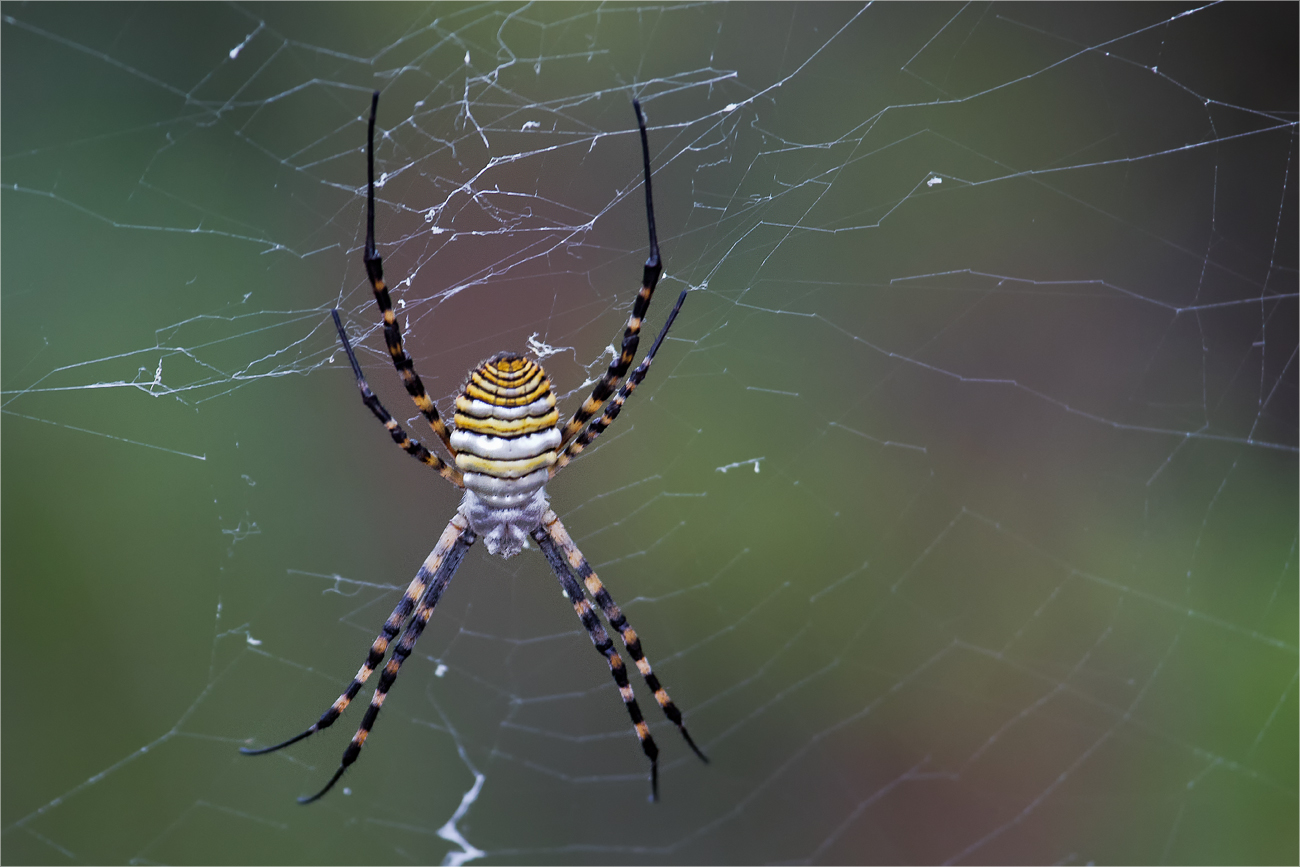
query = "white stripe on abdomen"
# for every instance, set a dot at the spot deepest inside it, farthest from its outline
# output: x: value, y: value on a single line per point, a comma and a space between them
x: 503, y: 449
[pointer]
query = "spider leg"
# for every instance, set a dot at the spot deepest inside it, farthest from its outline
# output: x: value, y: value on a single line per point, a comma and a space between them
x: 614, y: 406
x: 631, y: 332
x: 458, y: 530
x: 605, y: 647
x: 427, y: 588
x: 552, y: 527
x: 412, y: 447
x: 392, y: 331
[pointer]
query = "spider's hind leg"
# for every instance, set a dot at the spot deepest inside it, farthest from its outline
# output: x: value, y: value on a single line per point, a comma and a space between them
x: 392, y: 330
x: 650, y: 274
x: 412, y: 447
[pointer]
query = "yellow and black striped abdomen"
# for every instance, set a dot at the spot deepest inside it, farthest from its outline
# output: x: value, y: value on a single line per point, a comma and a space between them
x: 506, y: 430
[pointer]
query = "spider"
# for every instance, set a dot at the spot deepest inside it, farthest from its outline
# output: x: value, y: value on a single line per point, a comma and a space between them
x: 506, y: 443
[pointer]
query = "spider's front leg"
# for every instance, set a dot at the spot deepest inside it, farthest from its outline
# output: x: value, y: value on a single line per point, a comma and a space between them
x: 427, y: 587
x: 565, y: 560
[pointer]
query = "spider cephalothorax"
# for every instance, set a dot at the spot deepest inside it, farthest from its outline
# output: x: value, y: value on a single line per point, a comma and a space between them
x: 506, y: 442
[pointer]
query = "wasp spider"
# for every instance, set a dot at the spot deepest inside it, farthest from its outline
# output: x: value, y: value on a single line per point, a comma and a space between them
x: 506, y: 442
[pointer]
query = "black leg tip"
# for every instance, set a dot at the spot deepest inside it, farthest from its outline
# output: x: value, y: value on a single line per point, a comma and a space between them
x: 305, y: 799
x: 690, y: 742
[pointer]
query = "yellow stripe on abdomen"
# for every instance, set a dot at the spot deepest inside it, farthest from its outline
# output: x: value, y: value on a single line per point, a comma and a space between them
x: 506, y: 423
x: 503, y: 469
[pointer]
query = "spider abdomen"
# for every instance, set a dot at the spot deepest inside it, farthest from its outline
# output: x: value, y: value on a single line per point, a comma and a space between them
x: 506, y: 437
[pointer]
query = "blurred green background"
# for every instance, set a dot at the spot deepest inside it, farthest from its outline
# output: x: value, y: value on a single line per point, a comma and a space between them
x: 958, y: 513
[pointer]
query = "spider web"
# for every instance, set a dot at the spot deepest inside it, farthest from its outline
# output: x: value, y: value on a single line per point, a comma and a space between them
x: 958, y: 513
